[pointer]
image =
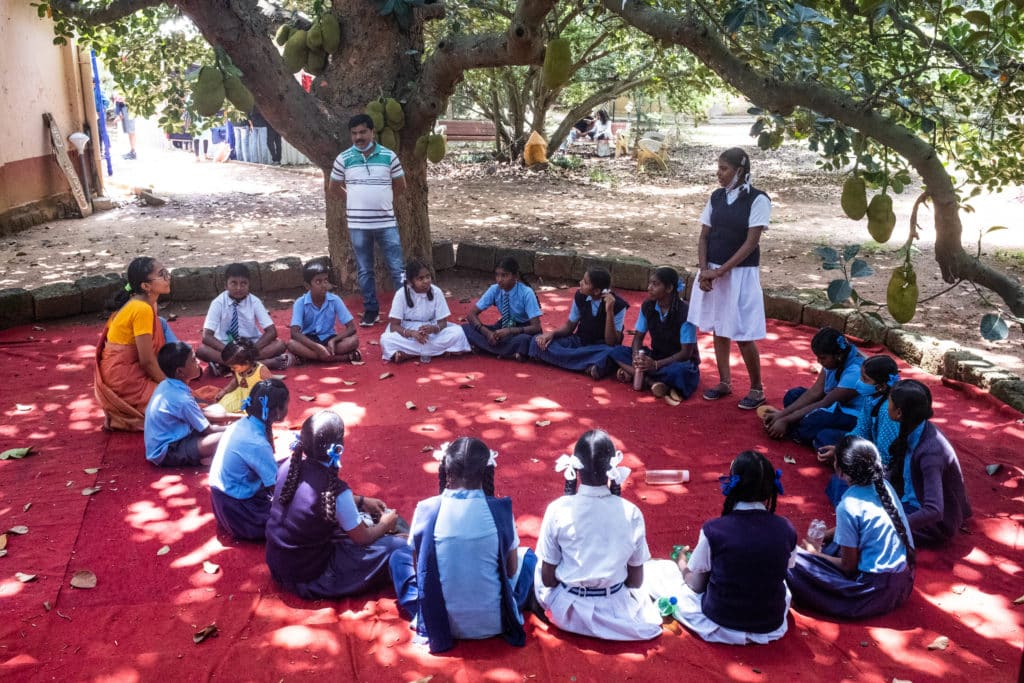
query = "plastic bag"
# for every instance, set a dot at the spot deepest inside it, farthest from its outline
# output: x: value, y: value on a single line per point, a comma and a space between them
x: 536, y: 151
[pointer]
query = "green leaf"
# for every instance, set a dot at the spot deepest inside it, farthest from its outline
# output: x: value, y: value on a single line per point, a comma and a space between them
x: 830, y: 265
x: 993, y: 327
x: 996, y: 227
x: 16, y: 453
x: 839, y: 290
x: 978, y: 17
x: 850, y: 250
x: 827, y: 253
x: 860, y: 268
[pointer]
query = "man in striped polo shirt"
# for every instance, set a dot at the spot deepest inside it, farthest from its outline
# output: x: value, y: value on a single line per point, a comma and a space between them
x: 369, y: 176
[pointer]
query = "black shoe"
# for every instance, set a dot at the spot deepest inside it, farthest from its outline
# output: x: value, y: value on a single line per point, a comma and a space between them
x: 370, y: 318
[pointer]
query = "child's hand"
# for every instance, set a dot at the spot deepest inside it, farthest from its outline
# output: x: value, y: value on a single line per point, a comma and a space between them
x: 609, y: 301
x: 374, y: 506
x: 492, y: 336
x: 544, y: 340
x: 827, y: 454
x: 389, y: 520
x: 421, y: 334
x: 681, y: 562
x: 643, y: 362
x: 501, y: 334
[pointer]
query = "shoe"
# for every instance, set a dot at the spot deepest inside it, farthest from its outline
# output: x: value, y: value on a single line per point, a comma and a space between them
x: 752, y: 400
x: 718, y: 391
x: 130, y: 156
x: 370, y: 318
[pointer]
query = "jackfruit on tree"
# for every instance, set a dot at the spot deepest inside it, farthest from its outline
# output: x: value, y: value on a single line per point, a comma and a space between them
x: 208, y: 93
x: 855, y: 199
x: 315, y: 36
x: 316, y: 61
x: 902, y: 293
x: 421, y: 145
x: 436, y: 148
x: 375, y: 110
x: 394, y: 114
x: 557, y: 63
x: 295, y: 51
x: 388, y: 138
x: 282, y: 35
x: 238, y: 94
x: 881, y: 219
x: 331, y: 30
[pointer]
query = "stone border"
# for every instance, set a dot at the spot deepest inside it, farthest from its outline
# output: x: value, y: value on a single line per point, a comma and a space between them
x: 807, y: 307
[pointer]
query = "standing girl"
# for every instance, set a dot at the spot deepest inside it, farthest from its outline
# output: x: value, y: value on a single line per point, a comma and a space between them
x: 819, y: 416
x: 319, y: 542
x: 520, y: 315
x: 240, y: 356
x: 126, y: 372
x: 868, y: 567
x: 593, y: 330
x: 672, y: 362
x: 923, y: 468
x: 463, y: 574
x: 728, y: 301
x: 243, y: 471
x: 592, y: 547
x: 418, y: 323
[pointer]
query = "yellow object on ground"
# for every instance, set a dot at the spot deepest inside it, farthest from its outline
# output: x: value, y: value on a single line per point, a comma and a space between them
x: 536, y: 151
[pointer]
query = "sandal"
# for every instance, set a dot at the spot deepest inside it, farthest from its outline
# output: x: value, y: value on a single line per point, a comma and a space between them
x: 623, y: 376
x: 593, y: 372
x: 355, y: 356
x: 659, y: 389
x: 716, y: 392
x: 752, y: 400
x: 400, y: 357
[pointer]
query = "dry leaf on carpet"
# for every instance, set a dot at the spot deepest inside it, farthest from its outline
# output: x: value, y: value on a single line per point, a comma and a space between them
x: 83, y: 578
x: 210, y: 567
x: 24, y: 578
x: 164, y: 550
x: 204, y: 633
x: 940, y: 643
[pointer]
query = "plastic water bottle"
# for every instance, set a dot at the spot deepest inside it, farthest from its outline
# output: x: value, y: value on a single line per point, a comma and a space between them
x: 638, y: 374
x: 424, y: 358
x: 816, y: 533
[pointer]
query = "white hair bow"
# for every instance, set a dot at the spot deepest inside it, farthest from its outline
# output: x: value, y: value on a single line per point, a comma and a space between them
x: 492, y: 461
x: 441, y: 451
x: 615, y: 473
x: 568, y: 464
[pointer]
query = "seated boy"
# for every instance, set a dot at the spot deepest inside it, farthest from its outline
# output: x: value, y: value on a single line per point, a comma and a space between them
x: 177, y: 434
x: 237, y: 314
x: 313, y: 317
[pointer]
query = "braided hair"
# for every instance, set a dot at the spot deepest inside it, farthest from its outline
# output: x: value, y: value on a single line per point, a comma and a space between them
x: 412, y: 271
x: 466, y: 459
x: 595, y: 449
x: 740, y: 160
x: 138, y: 272
x: 318, y: 433
x: 754, y: 482
x: 880, y: 369
x: 914, y: 401
x: 239, y: 352
x: 268, y: 403
x: 829, y: 341
x: 859, y: 461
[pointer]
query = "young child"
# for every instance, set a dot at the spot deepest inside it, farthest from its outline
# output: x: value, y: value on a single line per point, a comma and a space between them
x: 733, y: 587
x: 240, y: 357
x: 867, y: 568
x: 313, y: 318
x: 463, y: 574
x: 235, y: 315
x: 819, y: 416
x: 418, y: 323
x: 923, y: 468
x: 728, y: 300
x: 520, y: 315
x: 592, y: 548
x: 594, y: 328
x: 244, y: 471
x: 177, y: 434
x: 671, y: 364
x: 319, y: 545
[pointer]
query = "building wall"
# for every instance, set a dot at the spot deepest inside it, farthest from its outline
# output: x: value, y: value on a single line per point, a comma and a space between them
x: 36, y: 76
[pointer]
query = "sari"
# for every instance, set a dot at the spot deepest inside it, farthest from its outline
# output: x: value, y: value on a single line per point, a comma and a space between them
x: 121, y: 385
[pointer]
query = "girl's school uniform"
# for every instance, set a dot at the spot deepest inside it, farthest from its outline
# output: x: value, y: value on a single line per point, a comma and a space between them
x: 424, y: 311
x: 877, y: 427
x: 747, y: 554
x: 242, y: 476
x: 934, y: 496
x: 734, y: 307
x: 590, y: 538
x: 669, y: 330
x: 884, y: 576
x: 826, y: 426
x: 451, y: 576
x: 232, y: 401
x: 517, y: 307
x: 586, y: 347
x: 312, y: 557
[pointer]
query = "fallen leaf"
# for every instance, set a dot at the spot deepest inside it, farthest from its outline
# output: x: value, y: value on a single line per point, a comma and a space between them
x: 47, y: 606
x: 385, y: 375
x: 164, y: 550
x: 3, y: 541
x: 19, y: 530
x: 501, y: 399
x: 534, y: 460
x: 90, y: 490
x: 373, y: 343
x: 210, y: 567
x: 22, y: 408
x: 787, y: 458
x: 542, y: 423
x: 358, y: 362
x: 429, y: 428
x: 940, y: 643
x: 959, y: 590
x: 172, y: 317
x: 24, y: 578
x: 83, y: 578
x: 410, y: 405
x: 426, y: 449
x: 672, y: 400
x: 91, y: 470
x: 69, y: 484
x: 204, y: 633
x: 307, y: 398
x: 864, y: 643
x: 16, y: 453
x: 3, y: 553
x: 1019, y: 601
x: 347, y: 383
x: 280, y: 377
x: 26, y: 507
x: 465, y: 386
x: 992, y: 470
x: 470, y: 377
x: 37, y: 328
x: 431, y: 409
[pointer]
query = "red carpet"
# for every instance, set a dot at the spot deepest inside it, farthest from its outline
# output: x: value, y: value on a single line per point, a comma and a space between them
x: 137, y: 623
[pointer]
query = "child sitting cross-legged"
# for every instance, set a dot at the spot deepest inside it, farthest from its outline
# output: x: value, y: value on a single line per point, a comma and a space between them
x: 418, y: 324
x: 313, y: 317
x: 463, y: 574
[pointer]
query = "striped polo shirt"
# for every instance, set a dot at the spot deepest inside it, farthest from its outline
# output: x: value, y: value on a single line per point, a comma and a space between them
x: 369, y: 204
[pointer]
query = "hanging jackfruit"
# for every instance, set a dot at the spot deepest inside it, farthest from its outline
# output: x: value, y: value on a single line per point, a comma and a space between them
x: 394, y: 114
x: 316, y: 61
x: 238, y: 94
x: 295, y: 51
x: 375, y: 110
x: 315, y: 36
x: 881, y: 219
x: 557, y: 63
x: 421, y: 145
x: 436, y: 148
x: 902, y: 293
x: 331, y: 31
x: 208, y: 93
x: 388, y: 138
x: 282, y: 35
x: 855, y: 199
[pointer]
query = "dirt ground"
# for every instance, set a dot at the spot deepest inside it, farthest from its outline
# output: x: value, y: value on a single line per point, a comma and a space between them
x: 235, y: 211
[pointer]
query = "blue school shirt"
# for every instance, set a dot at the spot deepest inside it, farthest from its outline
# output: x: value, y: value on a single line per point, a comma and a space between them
x: 595, y: 306
x: 244, y: 462
x: 846, y: 377
x: 862, y: 522
x: 687, y: 331
x: 880, y: 429
x: 909, y: 498
x: 171, y: 415
x: 319, y: 321
x: 522, y: 301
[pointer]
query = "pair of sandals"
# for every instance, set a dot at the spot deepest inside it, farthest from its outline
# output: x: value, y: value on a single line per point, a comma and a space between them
x: 751, y: 401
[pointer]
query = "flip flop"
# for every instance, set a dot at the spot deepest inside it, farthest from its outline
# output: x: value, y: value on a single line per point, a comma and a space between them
x: 752, y: 400
x: 623, y: 376
x: 355, y: 356
x: 716, y: 392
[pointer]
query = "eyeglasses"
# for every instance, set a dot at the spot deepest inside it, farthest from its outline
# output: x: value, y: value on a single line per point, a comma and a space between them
x: 162, y: 275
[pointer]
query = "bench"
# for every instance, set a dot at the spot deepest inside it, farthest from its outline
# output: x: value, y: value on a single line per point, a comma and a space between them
x: 467, y: 131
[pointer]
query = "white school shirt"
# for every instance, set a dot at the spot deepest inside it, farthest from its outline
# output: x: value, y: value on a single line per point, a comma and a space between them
x: 252, y: 317
x: 760, y: 210
x: 591, y: 537
x: 423, y: 311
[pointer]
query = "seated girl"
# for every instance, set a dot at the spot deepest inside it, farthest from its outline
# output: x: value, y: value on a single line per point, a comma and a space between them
x: 243, y: 471
x: 923, y: 467
x: 519, y: 310
x: 733, y: 587
x: 867, y: 568
x: 819, y: 416
x: 592, y: 548
x: 240, y: 356
x: 463, y: 574
x: 418, y: 323
x: 593, y: 329
x: 319, y: 542
x: 672, y: 362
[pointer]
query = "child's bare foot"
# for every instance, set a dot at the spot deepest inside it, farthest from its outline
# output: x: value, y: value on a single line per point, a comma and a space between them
x: 593, y: 373
x: 659, y: 389
x: 355, y: 356
x: 623, y: 376
x: 400, y: 357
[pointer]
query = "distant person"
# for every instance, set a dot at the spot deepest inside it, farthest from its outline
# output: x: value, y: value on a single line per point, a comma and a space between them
x: 127, y: 124
x: 369, y: 176
x: 257, y: 120
x: 602, y: 129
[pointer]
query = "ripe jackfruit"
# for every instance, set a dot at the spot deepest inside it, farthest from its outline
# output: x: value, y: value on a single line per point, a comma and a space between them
x: 208, y: 93
x: 238, y: 94
x: 295, y: 51
x: 421, y: 145
x: 315, y: 36
x: 855, y: 199
x: 902, y: 293
x: 282, y: 35
x: 436, y: 148
x: 881, y: 219
x: 557, y: 63
x: 331, y: 31
x: 394, y: 114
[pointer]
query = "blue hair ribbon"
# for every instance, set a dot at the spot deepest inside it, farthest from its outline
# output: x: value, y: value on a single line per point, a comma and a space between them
x: 296, y: 442
x: 246, y: 403
x: 681, y: 285
x: 892, y: 380
x: 842, y: 343
x: 729, y: 483
x: 334, y: 452
x: 265, y: 402
x: 778, y: 481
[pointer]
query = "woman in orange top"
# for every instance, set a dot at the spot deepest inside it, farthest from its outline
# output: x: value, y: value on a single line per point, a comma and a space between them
x: 126, y: 368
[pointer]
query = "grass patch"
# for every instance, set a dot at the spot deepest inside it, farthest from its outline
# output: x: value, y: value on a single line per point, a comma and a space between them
x: 1012, y: 257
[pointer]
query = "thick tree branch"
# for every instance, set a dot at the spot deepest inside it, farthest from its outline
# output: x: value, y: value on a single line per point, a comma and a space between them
x: 101, y: 14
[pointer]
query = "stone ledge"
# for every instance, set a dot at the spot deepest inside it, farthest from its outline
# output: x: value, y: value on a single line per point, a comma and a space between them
x: 97, y: 290
x: 16, y: 307
x: 194, y: 284
x: 442, y: 255
x: 56, y: 300
x: 282, y: 273
x: 475, y: 257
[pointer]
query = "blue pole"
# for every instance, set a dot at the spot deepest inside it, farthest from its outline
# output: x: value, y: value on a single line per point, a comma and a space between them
x: 101, y: 114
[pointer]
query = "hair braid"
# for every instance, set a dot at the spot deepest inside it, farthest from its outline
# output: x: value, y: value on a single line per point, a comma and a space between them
x: 570, y: 486
x: 442, y: 477
x: 291, y: 481
x: 897, y: 521
x: 488, y: 481
x: 330, y: 496
x: 615, y: 488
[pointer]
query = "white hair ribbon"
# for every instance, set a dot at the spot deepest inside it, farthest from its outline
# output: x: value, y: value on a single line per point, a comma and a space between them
x: 441, y: 451
x: 568, y: 464
x: 615, y: 473
x: 492, y: 461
